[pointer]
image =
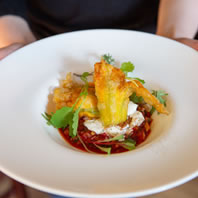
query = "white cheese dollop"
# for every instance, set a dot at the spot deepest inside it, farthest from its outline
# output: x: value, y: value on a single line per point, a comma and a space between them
x: 137, y: 119
x: 132, y: 107
x: 94, y: 125
x: 97, y: 126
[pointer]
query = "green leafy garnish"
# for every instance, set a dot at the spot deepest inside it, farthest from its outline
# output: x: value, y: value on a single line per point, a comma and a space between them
x: 60, y: 118
x: 108, y: 58
x: 92, y: 111
x: 104, y: 149
x: 84, y: 77
x: 47, y: 118
x: 136, y: 99
x: 116, y: 138
x: 66, y: 116
x: 128, y: 144
x: 135, y: 78
x: 127, y: 67
x: 159, y: 95
x: 75, y: 122
x: 139, y: 79
x: 84, y: 145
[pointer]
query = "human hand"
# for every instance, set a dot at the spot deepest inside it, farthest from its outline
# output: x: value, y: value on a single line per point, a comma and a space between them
x: 190, y: 42
x: 5, y: 51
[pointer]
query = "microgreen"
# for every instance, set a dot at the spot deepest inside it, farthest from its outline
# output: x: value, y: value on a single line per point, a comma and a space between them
x: 104, y: 149
x: 84, y: 145
x: 136, y: 99
x: 116, y: 138
x: 152, y: 110
x: 47, y: 118
x: 66, y: 116
x: 159, y: 95
x: 92, y: 111
x: 139, y: 79
x: 127, y: 67
x: 128, y: 144
x: 60, y: 118
x: 108, y: 58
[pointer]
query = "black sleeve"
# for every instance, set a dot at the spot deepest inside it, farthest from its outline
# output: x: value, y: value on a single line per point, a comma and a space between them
x: 13, y: 7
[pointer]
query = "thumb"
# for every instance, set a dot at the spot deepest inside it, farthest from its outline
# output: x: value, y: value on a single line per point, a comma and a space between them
x: 190, y: 42
x: 5, y: 51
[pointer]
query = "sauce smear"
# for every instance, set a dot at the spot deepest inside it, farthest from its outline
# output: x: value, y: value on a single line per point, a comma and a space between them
x: 89, y: 138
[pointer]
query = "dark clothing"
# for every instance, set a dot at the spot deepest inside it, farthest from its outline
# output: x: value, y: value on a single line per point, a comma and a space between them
x: 49, y: 17
x: 14, y: 7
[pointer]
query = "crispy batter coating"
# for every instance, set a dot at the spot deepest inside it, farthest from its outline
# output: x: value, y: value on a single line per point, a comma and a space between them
x: 112, y: 92
x: 69, y: 91
x: 108, y: 95
x: 140, y: 90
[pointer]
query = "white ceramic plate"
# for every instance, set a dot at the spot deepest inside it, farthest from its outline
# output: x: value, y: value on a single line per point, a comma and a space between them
x: 34, y: 153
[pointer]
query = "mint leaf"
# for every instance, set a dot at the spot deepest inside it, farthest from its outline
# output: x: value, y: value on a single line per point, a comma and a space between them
x: 108, y: 58
x: 136, y: 99
x: 105, y: 149
x: 60, y: 118
x: 127, y: 67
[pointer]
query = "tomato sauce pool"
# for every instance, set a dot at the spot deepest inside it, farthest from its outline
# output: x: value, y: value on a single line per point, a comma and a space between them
x: 86, y: 139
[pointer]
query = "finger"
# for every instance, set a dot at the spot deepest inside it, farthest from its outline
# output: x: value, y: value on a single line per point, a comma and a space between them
x: 190, y: 42
x: 5, y: 51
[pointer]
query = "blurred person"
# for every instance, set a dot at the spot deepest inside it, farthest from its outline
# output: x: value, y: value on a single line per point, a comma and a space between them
x: 175, y: 19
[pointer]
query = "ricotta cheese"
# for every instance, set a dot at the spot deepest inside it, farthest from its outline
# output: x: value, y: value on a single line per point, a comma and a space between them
x: 97, y: 126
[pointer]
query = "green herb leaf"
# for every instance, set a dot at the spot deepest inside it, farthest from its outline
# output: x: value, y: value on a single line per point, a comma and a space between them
x: 118, y: 137
x: 75, y: 122
x: 127, y: 67
x: 105, y: 149
x: 136, y: 99
x: 84, y: 77
x: 60, y: 119
x: 70, y: 123
x: 139, y: 79
x: 134, y: 78
x: 84, y: 145
x: 159, y: 95
x: 128, y: 144
x: 92, y: 111
x: 47, y: 118
x: 131, y: 147
x: 152, y: 110
x: 108, y: 58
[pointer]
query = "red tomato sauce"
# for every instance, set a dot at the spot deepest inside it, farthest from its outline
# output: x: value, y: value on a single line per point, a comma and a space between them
x: 138, y: 134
